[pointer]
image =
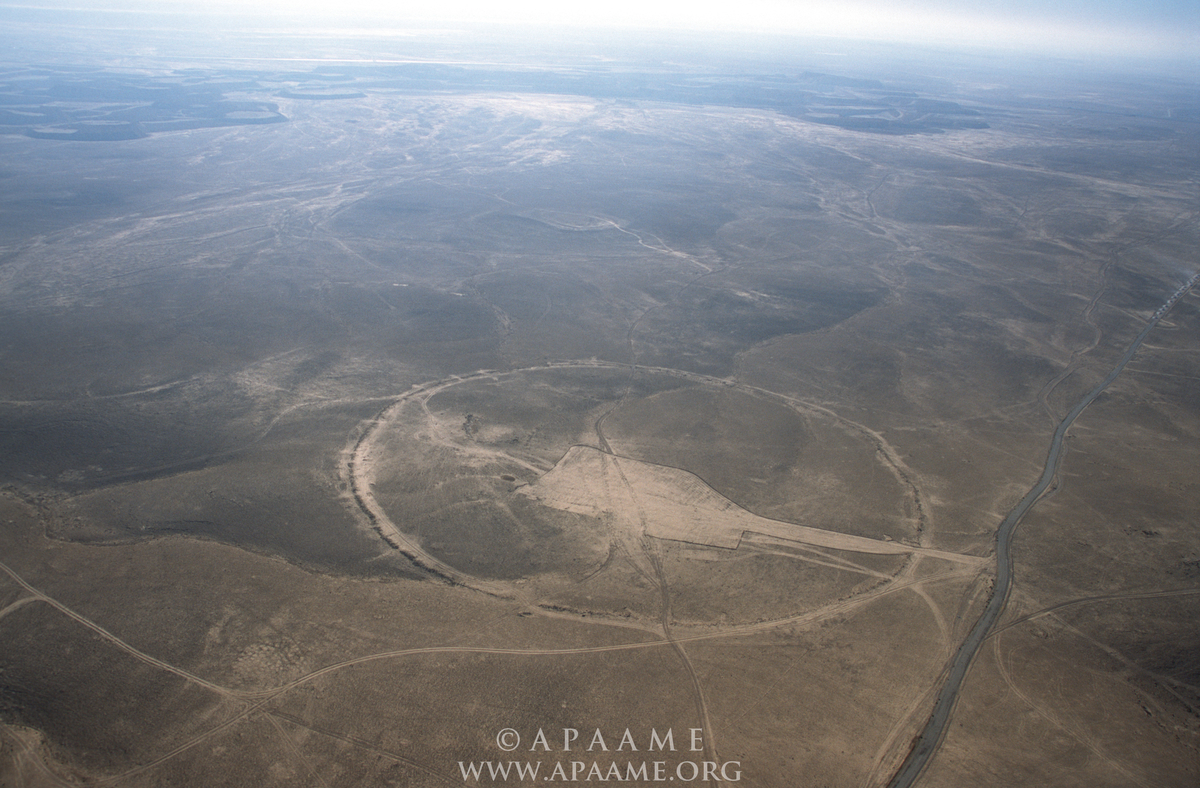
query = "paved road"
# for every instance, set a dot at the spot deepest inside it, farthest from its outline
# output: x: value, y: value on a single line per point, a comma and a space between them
x: 935, y: 728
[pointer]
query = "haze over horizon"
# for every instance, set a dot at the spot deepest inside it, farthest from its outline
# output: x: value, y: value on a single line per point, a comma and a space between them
x: 808, y: 391
x: 1163, y: 29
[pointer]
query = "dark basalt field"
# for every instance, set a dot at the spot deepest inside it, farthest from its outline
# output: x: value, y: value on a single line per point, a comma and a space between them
x: 353, y: 412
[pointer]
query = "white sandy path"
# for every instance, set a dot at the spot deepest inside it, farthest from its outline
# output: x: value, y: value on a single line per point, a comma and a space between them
x: 678, y: 505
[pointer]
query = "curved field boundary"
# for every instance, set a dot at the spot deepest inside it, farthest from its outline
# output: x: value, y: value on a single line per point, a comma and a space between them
x: 359, y: 465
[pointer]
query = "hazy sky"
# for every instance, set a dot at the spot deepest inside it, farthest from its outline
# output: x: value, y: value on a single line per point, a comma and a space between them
x: 1165, y: 27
